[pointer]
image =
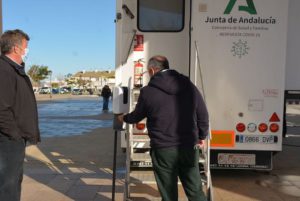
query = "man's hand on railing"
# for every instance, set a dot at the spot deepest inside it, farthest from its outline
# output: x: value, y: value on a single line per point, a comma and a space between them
x: 199, y: 145
x: 120, y: 117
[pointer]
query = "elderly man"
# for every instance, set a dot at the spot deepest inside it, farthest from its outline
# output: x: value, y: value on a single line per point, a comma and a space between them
x: 18, y: 113
x: 177, y: 121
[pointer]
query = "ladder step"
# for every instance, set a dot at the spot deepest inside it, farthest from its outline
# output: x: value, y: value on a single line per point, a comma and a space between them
x: 142, y: 177
x: 141, y: 145
x: 144, y: 160
x: 140, y: 141
x: 140, y: 137
x: 159, y: 199
x: 140, y: 157
x: 140, y: 160
x: 202, y: 159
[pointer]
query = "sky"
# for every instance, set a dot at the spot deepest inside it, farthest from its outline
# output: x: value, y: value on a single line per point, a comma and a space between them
x: 66, y: 35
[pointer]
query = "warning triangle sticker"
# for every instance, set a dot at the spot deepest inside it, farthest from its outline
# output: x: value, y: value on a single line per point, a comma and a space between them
x: 274, y: 118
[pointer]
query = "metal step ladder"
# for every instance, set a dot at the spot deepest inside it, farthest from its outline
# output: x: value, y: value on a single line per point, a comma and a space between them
x: 139, y: 174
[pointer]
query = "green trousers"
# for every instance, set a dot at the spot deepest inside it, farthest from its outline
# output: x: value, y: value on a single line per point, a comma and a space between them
x: 171, y: 163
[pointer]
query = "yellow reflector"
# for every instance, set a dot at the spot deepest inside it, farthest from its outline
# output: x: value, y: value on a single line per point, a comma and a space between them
x: 222, y: 138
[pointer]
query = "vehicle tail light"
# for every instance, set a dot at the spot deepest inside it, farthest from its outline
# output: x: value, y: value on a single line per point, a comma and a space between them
x: 240, y: 127
x: 263, y: 127
x: 140, y: 126
x: 274, y: 127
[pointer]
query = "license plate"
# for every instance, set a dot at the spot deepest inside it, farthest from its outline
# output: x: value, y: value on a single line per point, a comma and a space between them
x: 236, y: 159
x: 141, y: 164
x: 269, y: 139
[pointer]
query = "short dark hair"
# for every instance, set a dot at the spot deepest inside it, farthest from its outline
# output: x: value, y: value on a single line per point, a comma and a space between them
x: 159, y: 61
x: 11, y: 38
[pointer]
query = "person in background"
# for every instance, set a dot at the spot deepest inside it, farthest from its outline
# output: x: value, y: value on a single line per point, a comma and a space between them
x: 177, y: 123
x: 105, y: 93
x: 18, y: 113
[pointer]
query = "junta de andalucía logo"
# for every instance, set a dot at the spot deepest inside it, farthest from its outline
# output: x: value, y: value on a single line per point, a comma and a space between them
x: 250, y: 8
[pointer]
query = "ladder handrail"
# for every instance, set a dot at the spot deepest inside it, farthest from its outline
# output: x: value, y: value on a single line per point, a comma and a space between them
x: 207, y: 144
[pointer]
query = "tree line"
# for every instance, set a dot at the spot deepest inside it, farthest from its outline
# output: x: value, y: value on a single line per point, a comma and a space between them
x: 38, y: 73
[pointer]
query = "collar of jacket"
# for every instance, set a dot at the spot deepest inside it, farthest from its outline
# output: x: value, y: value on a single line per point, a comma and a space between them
x: 20, y: 69
x: 159, y: 72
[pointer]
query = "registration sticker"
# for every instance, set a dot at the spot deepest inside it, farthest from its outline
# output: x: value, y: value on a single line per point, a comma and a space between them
x: 261, y: 139
x: 236, y: 159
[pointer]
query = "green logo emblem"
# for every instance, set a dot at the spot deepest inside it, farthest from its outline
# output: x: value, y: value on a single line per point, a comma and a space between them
x: 250, y: 8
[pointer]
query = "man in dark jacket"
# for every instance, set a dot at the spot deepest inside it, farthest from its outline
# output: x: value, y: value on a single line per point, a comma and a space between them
x: 105, y: 93
x: 177, y: 121
x: 18, y: 113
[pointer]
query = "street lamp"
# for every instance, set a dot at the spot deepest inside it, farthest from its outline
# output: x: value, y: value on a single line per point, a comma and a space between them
x: 50, y: 74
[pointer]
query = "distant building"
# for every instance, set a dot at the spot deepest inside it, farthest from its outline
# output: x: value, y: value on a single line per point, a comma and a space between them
x: 93, y: 79
x: 55, y: 83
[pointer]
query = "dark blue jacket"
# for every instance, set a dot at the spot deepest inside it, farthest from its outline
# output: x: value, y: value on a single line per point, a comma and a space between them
x: 175, y: 111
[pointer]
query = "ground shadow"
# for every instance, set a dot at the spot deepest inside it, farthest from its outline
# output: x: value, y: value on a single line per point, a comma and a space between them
x: 73, y: 168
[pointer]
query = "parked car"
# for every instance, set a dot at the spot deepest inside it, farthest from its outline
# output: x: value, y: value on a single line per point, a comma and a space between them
x: 45, y: 90
x: 65, y: 90
x: 55, y: 91
x: 77, y: 91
